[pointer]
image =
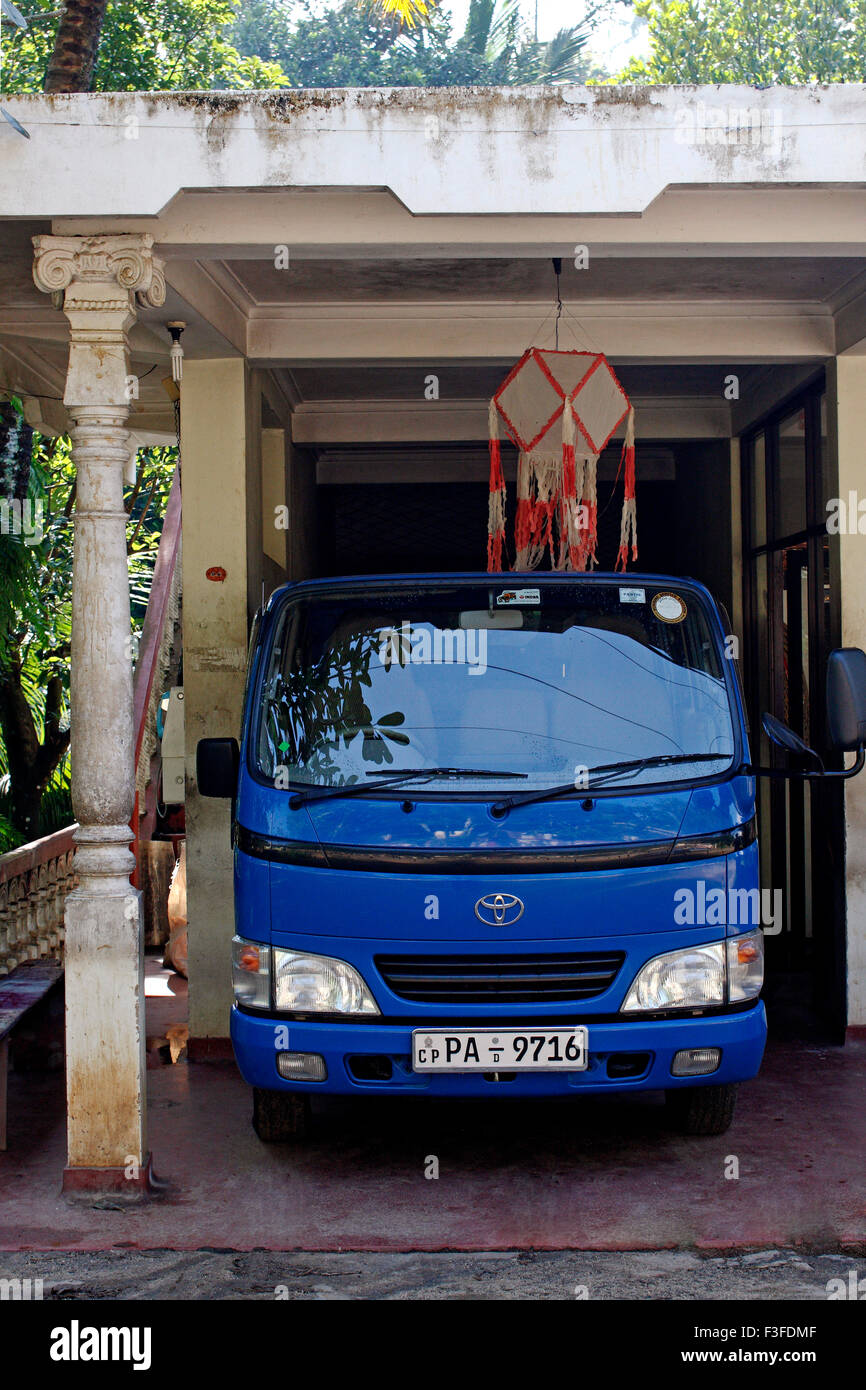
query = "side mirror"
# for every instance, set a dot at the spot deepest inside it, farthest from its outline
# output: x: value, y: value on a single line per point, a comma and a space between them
x: 217, y: 761
x: 846, y: 720
x: 846, y: 698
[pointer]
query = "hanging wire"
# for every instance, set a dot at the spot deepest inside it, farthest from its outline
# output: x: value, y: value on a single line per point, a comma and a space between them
x: 536, y: 338
x: 557, y: 270
x: 585, y: 338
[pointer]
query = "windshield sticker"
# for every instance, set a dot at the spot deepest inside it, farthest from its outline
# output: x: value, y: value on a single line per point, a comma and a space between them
x: 669, y: 608
x: 632, y: 595
x: 519, y: 596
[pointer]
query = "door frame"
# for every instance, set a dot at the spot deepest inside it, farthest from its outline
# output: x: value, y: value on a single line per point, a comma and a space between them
x: 827, y: 953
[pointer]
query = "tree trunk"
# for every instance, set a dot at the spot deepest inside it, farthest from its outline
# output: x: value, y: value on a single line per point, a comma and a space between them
x: 24, y: 805
x: 76, y: 46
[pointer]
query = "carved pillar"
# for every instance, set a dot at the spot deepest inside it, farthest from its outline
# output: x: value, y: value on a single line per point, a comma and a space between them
x: 95, y: 280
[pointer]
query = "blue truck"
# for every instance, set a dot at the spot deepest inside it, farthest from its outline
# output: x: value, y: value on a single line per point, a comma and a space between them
x: 494, y: 835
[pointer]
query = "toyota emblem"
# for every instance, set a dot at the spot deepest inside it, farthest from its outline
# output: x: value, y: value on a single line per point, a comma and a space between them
x: 499, y: 909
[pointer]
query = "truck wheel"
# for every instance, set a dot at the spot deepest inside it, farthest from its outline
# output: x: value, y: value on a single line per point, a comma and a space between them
x: 702, y: 1109
x: 280, y: 1116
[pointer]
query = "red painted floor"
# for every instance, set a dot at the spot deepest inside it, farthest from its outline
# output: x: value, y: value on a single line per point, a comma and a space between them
x: 598, y: 1174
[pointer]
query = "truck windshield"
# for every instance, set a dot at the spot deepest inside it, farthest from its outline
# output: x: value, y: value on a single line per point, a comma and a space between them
x: 540, y: 681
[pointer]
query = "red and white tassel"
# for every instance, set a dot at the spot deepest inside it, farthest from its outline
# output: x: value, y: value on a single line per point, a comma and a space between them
x: 496, y: 500
x: 589, y: 514
x: 569, y: 513
x: 628, y: 525
x: 524, y: 517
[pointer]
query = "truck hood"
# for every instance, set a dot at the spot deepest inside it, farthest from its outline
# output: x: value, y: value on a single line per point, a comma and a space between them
x: 469, y: 825
x: 322, y: 888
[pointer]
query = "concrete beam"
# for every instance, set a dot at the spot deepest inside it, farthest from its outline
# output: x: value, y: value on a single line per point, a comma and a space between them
x: 851, y: 321
x: 374, y: 224
x: 705, y: 331
x: 397, y: 422
x: 207, y: 297
x: 545, y: 150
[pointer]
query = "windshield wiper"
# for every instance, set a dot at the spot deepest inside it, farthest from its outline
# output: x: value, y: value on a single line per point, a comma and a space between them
x: 613, y: 770
x: 305, y: 798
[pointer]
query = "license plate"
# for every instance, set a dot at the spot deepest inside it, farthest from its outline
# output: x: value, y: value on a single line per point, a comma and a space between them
x: 498, y: 1049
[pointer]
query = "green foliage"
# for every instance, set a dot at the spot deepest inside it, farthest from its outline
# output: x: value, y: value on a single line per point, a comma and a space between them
x: 36, y: 624
x: 756, y: 42
x: 146, y: 504
x: 194, y: 45
x: 313, y: 705
x: 35, y: 611
x: 357, y: 46
x: 9, y: 836
x: 35, y: 635
x: 147, y: 45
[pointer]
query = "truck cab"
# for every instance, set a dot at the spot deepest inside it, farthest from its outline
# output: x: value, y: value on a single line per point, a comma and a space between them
x: 494, y: 836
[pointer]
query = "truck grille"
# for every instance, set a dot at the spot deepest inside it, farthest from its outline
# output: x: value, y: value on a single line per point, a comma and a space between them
x: 529, y: 979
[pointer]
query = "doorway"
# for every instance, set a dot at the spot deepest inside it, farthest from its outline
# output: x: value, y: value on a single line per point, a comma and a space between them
x: 792, y: 619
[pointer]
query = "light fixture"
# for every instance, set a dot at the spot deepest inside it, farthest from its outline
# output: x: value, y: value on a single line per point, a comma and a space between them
x: 175, y: 328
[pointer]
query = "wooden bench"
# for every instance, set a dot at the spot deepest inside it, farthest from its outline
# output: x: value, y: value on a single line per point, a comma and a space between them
x: 19, y: 993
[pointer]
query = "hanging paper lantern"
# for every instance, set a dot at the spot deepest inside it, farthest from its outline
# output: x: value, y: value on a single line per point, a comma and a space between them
x: 560, y: 408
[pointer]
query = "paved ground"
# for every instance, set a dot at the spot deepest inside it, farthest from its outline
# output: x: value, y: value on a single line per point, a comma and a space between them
x: 676, y: 1275
x: 591, y: 1175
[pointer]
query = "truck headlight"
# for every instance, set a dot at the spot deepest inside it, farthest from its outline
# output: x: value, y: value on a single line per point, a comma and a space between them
x: 308, y: 984
x: 251, y: 973
x: 685, y: 979
x: 724, y: 972
x: 745, y: 965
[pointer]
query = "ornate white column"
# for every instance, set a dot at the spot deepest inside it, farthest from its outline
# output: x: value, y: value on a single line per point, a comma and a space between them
x: 96, y: 280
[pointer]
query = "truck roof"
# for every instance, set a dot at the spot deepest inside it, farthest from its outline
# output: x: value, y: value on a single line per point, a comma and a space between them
x: 509, y: 577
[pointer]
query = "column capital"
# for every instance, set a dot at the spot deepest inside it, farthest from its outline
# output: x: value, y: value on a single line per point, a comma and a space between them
x: 80, y: 268
x: 97, y: 281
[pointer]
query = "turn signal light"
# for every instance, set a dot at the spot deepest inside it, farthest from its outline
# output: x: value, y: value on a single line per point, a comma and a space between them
x: 747, y: 951
x: 248, y: 959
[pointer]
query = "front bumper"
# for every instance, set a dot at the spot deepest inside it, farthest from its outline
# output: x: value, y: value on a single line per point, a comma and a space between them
x: 256, y: 1041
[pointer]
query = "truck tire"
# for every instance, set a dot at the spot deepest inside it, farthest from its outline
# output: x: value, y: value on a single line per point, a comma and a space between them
x: 702, y: 1109
x: 280, y: 1117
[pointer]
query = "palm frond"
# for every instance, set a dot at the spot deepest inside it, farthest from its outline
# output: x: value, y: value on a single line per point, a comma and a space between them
x: 561, y: 59
x: 408, y: 12
x: 503, y: 30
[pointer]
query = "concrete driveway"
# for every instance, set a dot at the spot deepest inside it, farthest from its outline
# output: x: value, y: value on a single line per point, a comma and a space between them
x: 598, y: 1175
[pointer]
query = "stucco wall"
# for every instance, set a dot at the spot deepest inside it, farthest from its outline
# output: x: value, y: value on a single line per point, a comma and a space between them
x: 846, y: 396
x: 222, y: 528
